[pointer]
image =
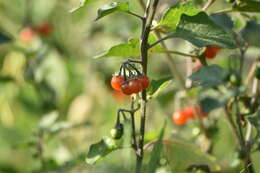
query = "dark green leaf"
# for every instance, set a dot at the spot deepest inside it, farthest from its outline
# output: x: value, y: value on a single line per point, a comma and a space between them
x: 182, y: 155
x: 157, y: 86
x: 201, y: 31
x: 5, y: 79
x: 210, y: 103
x: 99, y: 150
x: 82, y: 4
x: 156, y: 152
x: 255, y: 121
x: 209, y: 76
x: 172, y: 16
x: 251, y: 33
x: 112, y: 8
x: 4, y: 38
x: 223, y: 20
x: 247, y: 6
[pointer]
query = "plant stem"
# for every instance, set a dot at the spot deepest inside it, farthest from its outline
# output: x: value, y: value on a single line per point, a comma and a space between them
x: 150, y: 10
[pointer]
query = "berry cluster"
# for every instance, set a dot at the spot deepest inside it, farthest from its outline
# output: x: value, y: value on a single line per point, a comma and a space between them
x: 130, y: 83
x: 180, y: 117
x: 211, y: 52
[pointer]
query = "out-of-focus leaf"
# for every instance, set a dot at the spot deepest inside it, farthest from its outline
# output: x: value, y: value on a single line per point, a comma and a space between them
x: 129, y: 49
x: 82, y: 4
x: 208, y: 76
x: 112, y: 8
x: 255, y: 121
x: 156, y: 152
x: 251, y: 33
x: 210, y: 103
x: 247, y: 6
x: 48, y: 120
x: 172, y: 16
x: 182, y: 155
x: 99, y: 150
x: 4, y: 38
x: 201, y: 31
x: 157, y: 86
x: 5, y: 79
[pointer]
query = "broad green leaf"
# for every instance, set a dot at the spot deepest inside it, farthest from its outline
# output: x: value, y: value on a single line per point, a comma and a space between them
x: 251, y: 33
x: 82, y: 4
x: 6, y: 79
x: 208, y: 76
x: 172, y: 16
x: 156, y: 152
x: 247, y: 6
x: 182, y: 155
x: 112, y: 8
x: 158, y: 86
x: 99, y: 150
x: 129, y: 49
x: 201, y: 31
x: 4, y: 38
x: 209, y: 103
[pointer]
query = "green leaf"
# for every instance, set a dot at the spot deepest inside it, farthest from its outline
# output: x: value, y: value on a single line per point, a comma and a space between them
x: 201, y: 31
x: 182, y: 155
x: 6, y: 79
x: 113, y: 8
x: 209, y: 103
x: 209, y: 76
x: 129, y: 49
x: 247, y: 6
x: 82, y: 4
x: 255, y: 121
x: 158, y: 86
x: 156, y: 152
x: 48, y: 120
x: 251, y: 34
x: 172, y: 16
x: 99, y: 150
x: 4, y: 38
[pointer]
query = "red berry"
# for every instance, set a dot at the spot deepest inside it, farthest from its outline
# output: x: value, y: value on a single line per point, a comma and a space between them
x: 116, y: 82
x: 27, y: 34
x: 144, y: 80
x: 135, y: 86
x: 189, y: 111
x: 44, y: 29
x: 126, y: 89
x: 179, y: 117
x: 211, y: 52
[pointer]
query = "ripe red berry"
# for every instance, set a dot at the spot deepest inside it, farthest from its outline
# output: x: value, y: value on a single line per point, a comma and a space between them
x: 126, y: 89
x: 135, y: 86
x: 211, y: 52
x: 116, y: 82
x: 44, y: 29
x: 144, y: 80
x: 27, y: 34
x: 179, y: 117
x: 189, y: 111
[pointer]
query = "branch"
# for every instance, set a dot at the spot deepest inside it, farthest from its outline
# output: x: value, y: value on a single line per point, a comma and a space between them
x: 136, y: 15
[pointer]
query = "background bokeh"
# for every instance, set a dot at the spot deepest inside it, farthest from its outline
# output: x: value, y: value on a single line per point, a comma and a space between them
x: 53, y: 82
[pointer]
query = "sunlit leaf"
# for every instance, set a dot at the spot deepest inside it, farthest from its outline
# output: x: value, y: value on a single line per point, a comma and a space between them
x: 48, y: 119
x: 99, y: 150
x: 201, y: 31
x: 208, y: 76
x: 182, y: 155
x: 172, y: 16
x: 82, y: 4
x: 129, y: 49
x: 156, y: 152
x: 112, y: 8
x: 158, y: 86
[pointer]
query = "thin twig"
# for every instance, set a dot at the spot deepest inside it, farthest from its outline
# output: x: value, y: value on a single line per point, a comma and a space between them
x: 136, y: 15
x: 208, y: 4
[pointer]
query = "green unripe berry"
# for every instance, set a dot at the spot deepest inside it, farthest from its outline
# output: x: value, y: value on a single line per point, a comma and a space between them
x: 234, y: 80
x: 117, y: 132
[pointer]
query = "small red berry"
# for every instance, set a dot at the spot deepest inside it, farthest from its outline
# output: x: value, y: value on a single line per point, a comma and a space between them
x: 27, y: 34
x: 189, y: 111
x: 135, y: 86
x: 211, y: 52
x: 179, y: 117
x: 126, y: 89
x: 44, y: 29
x: 116, y: 82
x: 144, y: 80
